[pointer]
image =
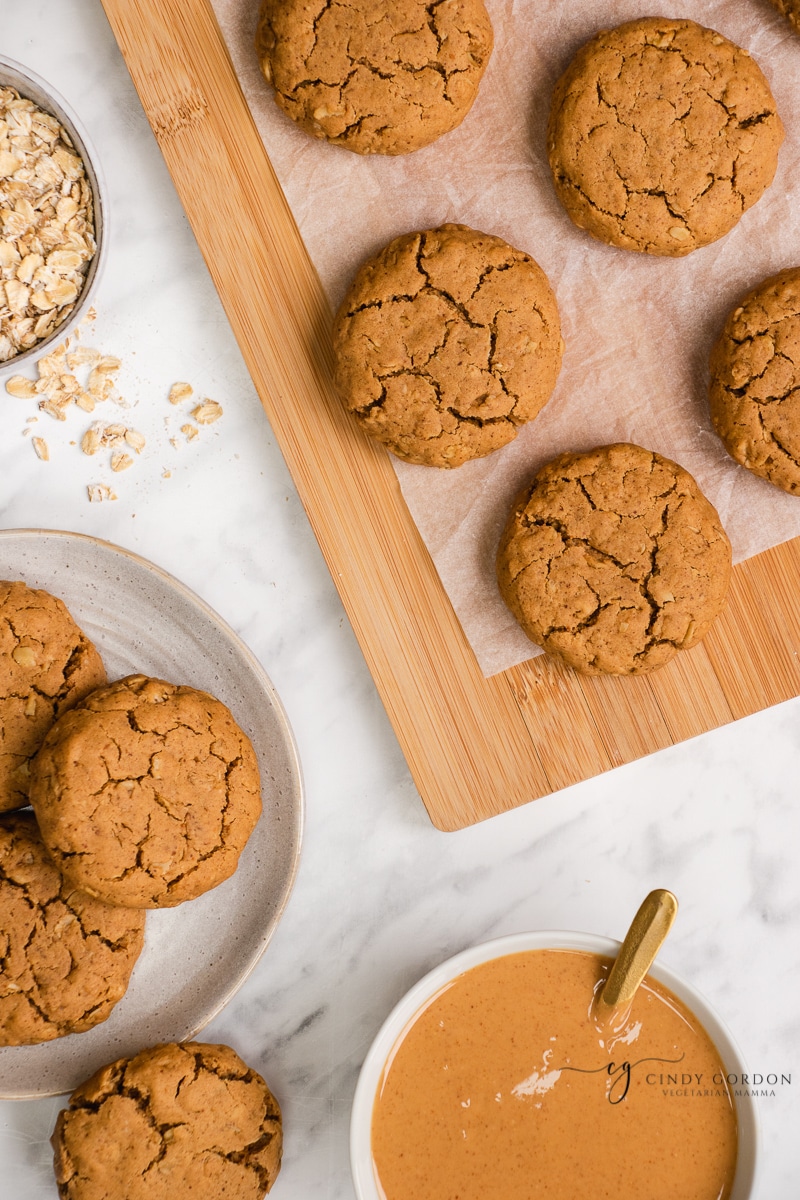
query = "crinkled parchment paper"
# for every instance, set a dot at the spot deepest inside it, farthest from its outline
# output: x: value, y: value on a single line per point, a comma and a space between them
x: 638, y: 329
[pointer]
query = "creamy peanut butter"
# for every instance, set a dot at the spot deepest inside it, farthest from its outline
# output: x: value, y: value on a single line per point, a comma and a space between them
x: 505, y: 1087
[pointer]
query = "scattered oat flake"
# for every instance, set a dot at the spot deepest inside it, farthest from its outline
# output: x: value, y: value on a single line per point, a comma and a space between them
x: 166, y: 474
x: 191, y: 432
x: 40, y: 446
x: 22, y: 388
x: 90, y: 442
x: 180, y: 391
x: 83, y: 356
x: 54, y: 363
x: 70, y: 384
x: 135, y: 440
x: 108, y: 364
x: 96, y: 385
x: 207, y: 412
x: 100, y: 491
x: 120, y: 461
x: 114, y: 435
x: 53, y: 409
x: 85, y: 401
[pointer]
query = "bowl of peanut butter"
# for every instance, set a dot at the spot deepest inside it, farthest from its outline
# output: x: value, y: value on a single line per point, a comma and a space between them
x: 494, y: 1079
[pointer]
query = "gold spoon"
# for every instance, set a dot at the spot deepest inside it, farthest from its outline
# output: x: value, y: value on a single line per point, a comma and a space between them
x: 642, y: 943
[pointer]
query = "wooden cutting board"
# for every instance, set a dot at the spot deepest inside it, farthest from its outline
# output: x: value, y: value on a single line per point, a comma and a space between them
x: 475, y: 746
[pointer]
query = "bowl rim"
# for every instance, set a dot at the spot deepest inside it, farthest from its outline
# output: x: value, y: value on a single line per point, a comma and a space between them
x: 53, y: 102
x: 407, y: 1008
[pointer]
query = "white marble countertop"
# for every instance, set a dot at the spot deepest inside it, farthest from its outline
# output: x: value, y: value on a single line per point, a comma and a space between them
x: 381, y: 896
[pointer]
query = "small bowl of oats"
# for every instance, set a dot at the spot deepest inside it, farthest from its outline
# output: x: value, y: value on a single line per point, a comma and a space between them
x: 52, y: 217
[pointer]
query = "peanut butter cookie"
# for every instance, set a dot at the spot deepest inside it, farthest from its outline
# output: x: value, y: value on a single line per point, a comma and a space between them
x: 614, y: 560
x: 66, y: 958
x: 46, y: 666
x: 661, y: 134
x: 376, y: 78
x: 146, y: 793
x: 755, y: 381
x: 790, y: 9
x: 446, y: 343
x: 177, y: 1121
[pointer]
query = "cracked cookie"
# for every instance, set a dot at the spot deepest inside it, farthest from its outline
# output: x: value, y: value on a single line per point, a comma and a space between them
x: 146, y: 793
x: 376, y: 78
x: 178, y: 1120
x: 755, y: 381
x: 613, y: 560
x: 661, y: 134
x: 790, y: 9
x: 446, y: 343
x: 46, y: 666
x: 65, y: 958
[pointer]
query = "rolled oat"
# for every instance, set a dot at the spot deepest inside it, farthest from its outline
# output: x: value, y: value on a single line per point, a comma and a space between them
x: 46, y: 224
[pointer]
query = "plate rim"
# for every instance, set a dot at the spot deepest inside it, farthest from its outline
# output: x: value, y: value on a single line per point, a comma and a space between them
x: 293, y: 763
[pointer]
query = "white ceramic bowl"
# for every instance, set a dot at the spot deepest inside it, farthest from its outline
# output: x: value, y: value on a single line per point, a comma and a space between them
x: 413, y: 1001
x: 32, y: 87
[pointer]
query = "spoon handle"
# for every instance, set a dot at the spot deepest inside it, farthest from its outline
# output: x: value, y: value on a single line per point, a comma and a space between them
x: 642, y: 943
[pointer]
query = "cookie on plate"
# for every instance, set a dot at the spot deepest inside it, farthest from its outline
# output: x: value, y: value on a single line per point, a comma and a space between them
x: 376, y: 78
x: 66, y: 958
x: 613, y: 560
x: 46, y: 665
x: 179, y: 1120
x: 661, y: 134
x: 146, y: 793
x: 755, y: 381
x: 790, y: 9
x: 446, y: 343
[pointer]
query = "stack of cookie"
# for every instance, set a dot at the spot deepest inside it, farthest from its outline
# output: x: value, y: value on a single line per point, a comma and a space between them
x: 144, y: 794
x: 662, y: 133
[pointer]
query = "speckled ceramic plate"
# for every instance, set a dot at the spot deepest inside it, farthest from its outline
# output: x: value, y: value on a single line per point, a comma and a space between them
x: 196, y: 955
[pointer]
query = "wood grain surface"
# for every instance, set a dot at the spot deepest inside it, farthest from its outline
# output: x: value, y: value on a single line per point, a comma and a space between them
x: 475, y: 746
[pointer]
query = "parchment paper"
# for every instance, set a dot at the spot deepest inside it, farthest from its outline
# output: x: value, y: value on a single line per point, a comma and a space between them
x: 638, y: 329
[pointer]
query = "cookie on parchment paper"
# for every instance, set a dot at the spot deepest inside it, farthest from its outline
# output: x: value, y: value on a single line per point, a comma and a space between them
x: 661, y: 134
x: 755, y: 381
x: 790, y: 9
x: 46, y: 666
x: 446, y: 343
x: 373, y: 77
x: 180, y: 1121
x: 613, y: 560
x: 146, y: 793
x: 66, y: 957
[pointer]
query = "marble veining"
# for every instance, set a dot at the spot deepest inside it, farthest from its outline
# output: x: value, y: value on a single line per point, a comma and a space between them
x: 381, y: 895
